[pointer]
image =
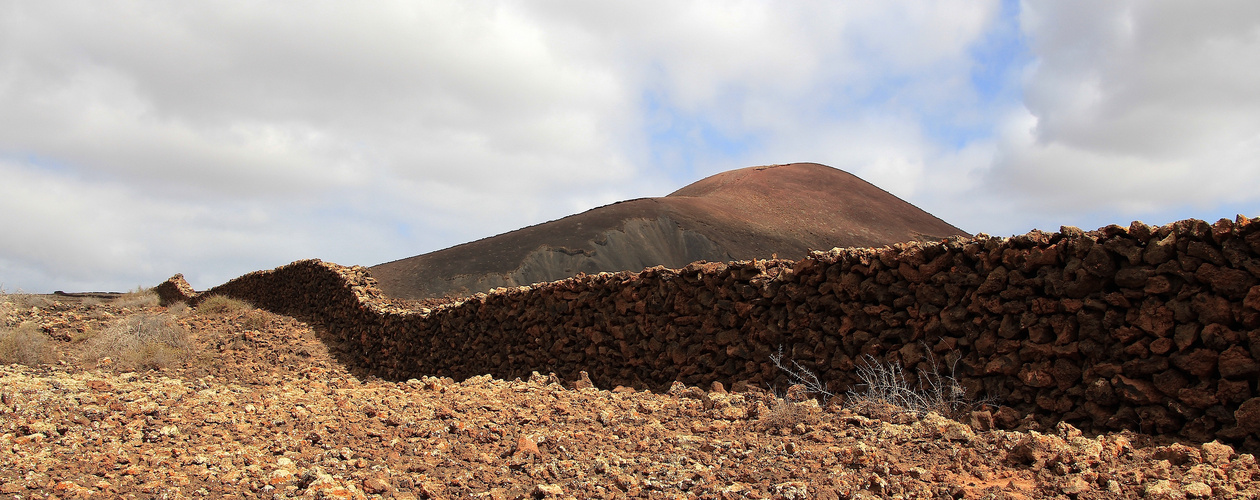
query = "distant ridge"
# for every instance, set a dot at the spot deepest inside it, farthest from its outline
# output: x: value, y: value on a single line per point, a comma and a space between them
x: 744, y: 214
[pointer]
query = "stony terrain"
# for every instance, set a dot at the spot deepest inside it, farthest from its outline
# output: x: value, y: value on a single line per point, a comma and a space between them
x: 230, y: 401
x: 1143, y: 328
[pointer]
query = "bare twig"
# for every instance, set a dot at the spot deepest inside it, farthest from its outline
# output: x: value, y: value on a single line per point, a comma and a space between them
x: 800, y: 375
x: 886, y: 385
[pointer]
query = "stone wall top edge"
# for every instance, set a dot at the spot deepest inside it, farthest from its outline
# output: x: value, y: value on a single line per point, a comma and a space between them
x: 358, y: 279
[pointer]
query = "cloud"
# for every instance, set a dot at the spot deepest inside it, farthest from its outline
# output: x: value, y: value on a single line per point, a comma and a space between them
x: 743, y: 83
x: 78, y: 233
x: 452, y: 119
x: 147, y: 138
x: 1131, y: 107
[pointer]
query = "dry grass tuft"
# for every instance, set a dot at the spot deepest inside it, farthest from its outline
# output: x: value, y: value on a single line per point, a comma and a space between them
x: 799, y: 375
x: 795, y: 406
x: 19, y: 300
x: 140, y: 298
x: 888, y: 392
x: 223, y: 306
x: 785, y: 414
x: 254, y: 320
x: 77, y: 337
x: 250, y: 318
x: 26, y: 344
x: 140, y: 342
x: 178, y: 309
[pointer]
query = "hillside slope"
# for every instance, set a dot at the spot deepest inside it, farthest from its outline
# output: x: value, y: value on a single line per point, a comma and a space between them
x: 744, y: 214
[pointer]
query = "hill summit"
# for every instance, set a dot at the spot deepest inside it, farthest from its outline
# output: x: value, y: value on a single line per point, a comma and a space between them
x: 744, y: 214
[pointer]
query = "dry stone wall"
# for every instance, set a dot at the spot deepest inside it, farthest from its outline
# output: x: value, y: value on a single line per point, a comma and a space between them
x: 1154, y: 329
x: 174, y: 290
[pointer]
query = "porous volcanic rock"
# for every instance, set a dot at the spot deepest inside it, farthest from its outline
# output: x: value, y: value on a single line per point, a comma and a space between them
x: 744, y: 214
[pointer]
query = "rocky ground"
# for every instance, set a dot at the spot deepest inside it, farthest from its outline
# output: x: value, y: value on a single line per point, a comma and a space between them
x: 122, y: 398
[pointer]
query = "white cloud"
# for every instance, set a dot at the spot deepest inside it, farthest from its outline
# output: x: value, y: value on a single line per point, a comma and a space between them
x: 784, y: 83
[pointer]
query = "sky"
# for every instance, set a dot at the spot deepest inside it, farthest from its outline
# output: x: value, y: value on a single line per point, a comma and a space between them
x: 139, y: 139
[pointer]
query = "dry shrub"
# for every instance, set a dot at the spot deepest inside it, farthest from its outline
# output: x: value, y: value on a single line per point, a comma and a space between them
x: 219, y: 305
x: 795, y: 406
x: 139, y: 298
x: 801, y: 376
x: 223, y: 306
x: 254, y: 320
x: 141, y: 342
x: 178, y: 309
x: 26, y: 345
x: 18, y: 301
x: 77, y: 337
x: 783, y: 413
x: 888, y: 392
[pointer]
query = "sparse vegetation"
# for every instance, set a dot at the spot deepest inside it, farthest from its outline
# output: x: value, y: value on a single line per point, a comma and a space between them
x: 26, y: 345
x: 138, y: 342
x: 785, y: 414
x: 77, y: 337
x: 223, y: 306
x: 178, y: 309
x: 218, y: 305
x: 801, y: 376
x: 254, y: 320
x: 885, y: 390
x: 20, y: 300
x: 787, y: 410
x: 139, y: 298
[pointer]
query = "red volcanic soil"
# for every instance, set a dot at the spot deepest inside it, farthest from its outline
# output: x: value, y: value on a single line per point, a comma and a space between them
x: 804, y: 206
x: 257, y: 405
x: 750, y: 213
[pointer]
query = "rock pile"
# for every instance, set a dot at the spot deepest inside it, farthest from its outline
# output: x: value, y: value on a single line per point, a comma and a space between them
x: 1155, y: 329
x: 174, y: 290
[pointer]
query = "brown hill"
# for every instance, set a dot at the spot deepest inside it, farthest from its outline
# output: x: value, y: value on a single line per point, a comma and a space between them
x: 749, y: 213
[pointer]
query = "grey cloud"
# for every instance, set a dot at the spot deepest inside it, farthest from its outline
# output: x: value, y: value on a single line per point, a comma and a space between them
x: 1135, y: 106
x: 1143, y: 78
